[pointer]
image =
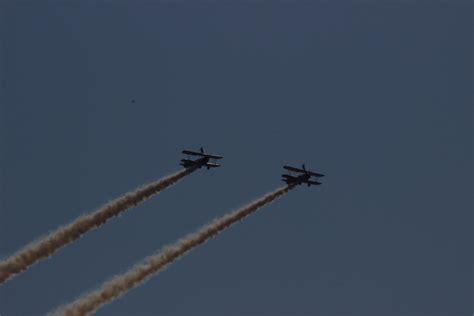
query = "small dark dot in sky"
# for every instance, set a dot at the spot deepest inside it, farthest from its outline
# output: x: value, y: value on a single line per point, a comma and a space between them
x: 133, y: 100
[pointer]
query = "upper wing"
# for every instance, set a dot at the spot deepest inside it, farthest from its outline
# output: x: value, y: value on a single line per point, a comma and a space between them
x: 190, y: 152
x: 196, y: 153
x: 293, y: 169
x: 303, y: 171
x: 212, y: 156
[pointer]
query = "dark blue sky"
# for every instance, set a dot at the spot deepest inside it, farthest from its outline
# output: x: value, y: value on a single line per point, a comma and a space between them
x: 377, y: 95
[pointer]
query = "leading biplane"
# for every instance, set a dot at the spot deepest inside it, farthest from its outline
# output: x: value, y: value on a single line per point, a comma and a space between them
x: 302, y: 176
x: 204, y: 160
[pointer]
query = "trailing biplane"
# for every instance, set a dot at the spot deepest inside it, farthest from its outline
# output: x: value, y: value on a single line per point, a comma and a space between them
x: 301, y: 176
x: 203, y: 160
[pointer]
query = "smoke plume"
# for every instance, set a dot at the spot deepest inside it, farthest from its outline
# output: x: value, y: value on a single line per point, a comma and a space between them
x: 155, y: 263
x: 64, y: 235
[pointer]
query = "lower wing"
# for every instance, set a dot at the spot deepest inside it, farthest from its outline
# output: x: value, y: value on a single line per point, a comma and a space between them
x: 212, y: 165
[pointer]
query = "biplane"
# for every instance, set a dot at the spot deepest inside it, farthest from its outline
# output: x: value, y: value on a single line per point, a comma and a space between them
x: 301, y: 176
x: 204, y: 160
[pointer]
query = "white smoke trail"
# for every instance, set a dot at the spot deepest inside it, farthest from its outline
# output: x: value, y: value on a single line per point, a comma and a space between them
x: 64, y: 235
x: 155, y: 263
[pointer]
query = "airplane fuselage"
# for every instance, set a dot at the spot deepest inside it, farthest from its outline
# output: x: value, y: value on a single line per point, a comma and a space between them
x: 198, y: 163
x: 302, y: 178
x: 202, y: 161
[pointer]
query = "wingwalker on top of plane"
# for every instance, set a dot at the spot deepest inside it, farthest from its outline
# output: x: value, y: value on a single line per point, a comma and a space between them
x: 303, y: 176
x: 203, y: 161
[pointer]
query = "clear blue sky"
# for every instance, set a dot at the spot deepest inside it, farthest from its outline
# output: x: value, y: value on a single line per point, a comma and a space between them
x: 377, y: 95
